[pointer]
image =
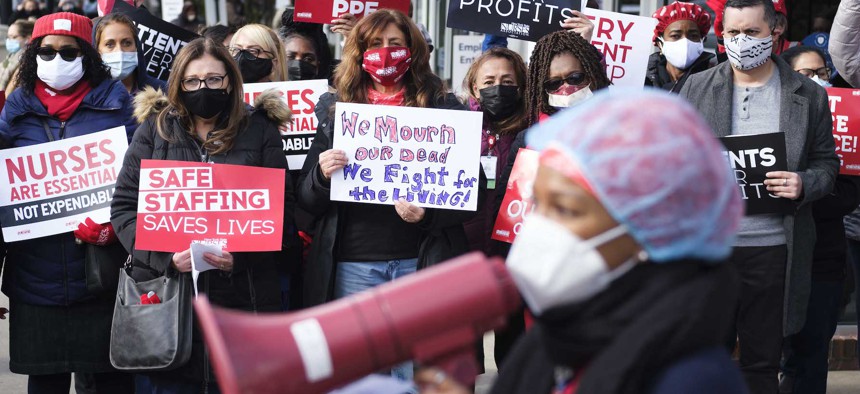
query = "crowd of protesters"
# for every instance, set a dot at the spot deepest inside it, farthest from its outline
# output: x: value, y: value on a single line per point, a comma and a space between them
x: 639, y: 270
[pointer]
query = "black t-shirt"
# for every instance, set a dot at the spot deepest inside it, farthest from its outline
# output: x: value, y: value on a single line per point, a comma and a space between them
x: 372, y: 232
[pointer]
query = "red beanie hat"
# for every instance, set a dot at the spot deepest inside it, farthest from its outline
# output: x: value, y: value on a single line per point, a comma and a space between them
x: 64, y: 24
x: 678, y: 11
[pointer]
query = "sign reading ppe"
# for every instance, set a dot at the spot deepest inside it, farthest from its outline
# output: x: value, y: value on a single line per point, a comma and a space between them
x: 518, y: 203
x: 751, y: 157
x: 324, y: 11
x: 625, y: 42
x: 845, y: 106
x: 524, y: 20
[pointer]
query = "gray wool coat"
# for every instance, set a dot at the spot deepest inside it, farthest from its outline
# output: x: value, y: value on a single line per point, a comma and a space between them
x: 805, y: 118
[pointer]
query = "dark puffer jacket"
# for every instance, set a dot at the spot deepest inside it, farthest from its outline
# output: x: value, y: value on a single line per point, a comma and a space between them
x: 658, y: 77
x: 50, y: 270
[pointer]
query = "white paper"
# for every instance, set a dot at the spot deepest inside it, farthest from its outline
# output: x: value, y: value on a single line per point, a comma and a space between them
x: 198, y: 263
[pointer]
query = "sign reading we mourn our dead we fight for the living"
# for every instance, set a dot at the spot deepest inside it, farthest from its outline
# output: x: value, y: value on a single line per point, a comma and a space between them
x: 182, y: 202
x: 626, y: 43
x: 521, y: 19
x: 50, y: 188
x: 750, y: 158
x: 845, y: 107
x: 429, y: 157
x: 301, y: 97
x: 160, y: 40
x: 517, y: 204
x: 324, y: 11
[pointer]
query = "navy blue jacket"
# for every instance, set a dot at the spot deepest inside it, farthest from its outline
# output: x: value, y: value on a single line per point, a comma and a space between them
x: 50, y: 270
x: 143, y: 79
x: 709, y: 371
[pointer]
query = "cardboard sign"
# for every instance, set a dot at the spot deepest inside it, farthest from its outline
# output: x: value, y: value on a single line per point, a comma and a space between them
x: 466, y: 50
x: 50, y: 188
x: 429, y: 157
x: 751, y: 157
x: 160, y: 40
x: 524, y: 20
x: 517, y: 204
x: 302, y: 98
x: 181, y: 202
x: 324, y: 11
x: 845, y: 106
x: 625, y: 41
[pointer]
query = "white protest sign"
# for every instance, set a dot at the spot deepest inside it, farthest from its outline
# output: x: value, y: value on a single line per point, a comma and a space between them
x: 50, y: 188
x: 626, y: 43
x: 302, y: 98
x: 466, y: 50
x: 430, y: 157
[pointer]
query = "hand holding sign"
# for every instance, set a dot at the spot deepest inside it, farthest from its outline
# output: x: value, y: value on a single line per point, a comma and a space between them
x: 182, y: 261
x: 410, y: 213
x: 784, y: 184
x: 331, y: 161
x: 579, y: 24
x: 343, y: 24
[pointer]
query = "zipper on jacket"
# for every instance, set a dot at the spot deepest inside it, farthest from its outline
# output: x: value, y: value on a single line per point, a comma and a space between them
x: 62, y: 129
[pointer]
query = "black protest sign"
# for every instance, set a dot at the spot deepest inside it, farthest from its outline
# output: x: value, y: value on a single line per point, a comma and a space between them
x: 521, y: 19
x: 751, y: 157
x: 159, y: 40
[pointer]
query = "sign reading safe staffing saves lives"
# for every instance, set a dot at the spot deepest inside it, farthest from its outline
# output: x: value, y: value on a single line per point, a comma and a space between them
x: 324, y: 11
x: 50, y: 188
x: 751, y: 157
x: 521, y: 19
x: 429, y: 157
x: 845, y: 106
x: 180, y: 202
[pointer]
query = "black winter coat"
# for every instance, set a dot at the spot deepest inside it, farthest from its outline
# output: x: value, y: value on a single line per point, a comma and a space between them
x: 658, y: 77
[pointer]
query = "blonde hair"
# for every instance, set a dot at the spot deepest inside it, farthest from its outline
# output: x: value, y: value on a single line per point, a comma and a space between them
x: 267, y: 39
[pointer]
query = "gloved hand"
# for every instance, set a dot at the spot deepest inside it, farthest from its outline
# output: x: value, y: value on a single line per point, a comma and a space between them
x: 96, y: 234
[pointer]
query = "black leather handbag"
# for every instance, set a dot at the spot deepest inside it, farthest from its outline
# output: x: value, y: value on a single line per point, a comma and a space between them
x: 151, y: 337
x: 102, y: 266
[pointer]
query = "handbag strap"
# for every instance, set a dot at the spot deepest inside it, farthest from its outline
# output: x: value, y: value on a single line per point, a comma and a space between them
x: 47, y: 130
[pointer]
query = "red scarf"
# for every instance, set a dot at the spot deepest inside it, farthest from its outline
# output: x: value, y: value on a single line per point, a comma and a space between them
x: 62, y: 106
x: 375, y: 97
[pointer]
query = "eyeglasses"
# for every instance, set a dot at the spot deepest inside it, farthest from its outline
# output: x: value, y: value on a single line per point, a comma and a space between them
x: 68, y: 54
x: 574, y: 79
x: 249, y: 53
x: 211, y: 82
x: 823, y: 72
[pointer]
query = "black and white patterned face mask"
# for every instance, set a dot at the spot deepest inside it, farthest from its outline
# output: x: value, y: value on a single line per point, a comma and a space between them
x: 746, y: 53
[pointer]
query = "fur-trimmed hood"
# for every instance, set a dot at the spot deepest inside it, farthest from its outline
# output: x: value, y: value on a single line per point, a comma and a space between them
x: 150, y: 101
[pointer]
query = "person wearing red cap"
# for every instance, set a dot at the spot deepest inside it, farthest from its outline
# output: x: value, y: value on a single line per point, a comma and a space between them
x: 57, y: 326
x: 680, y: 35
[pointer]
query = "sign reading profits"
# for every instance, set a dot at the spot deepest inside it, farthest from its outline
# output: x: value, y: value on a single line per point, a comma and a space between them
x: 429, y: 157
x: 50, y: 188
x: 517, y: 204
x: 625, y: 41
x: 181, y: 202
x: 845, y: 106
x: 323, y: 11
x: 466, y: 50
x: 751, y: 157
x: 160, y: 40
x: 302, y: 98
x: 522, y: 19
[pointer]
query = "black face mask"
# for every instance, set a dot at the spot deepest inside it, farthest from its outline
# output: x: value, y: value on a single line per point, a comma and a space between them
x: 253, y: 68
x: 499, y: 100
x: 298, y: 70
x: 206, y: 103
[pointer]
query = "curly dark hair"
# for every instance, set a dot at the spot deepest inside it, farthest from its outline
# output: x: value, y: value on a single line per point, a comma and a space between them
x: 547, y: 49
x: 95, y: 71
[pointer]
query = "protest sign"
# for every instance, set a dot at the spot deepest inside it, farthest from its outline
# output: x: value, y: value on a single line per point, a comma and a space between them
x: 302, y: 98
x: 159, y: 40
x: 170, y: 9
x: 429, y: 157
x: 517, y: 204
x: 180, y: 202
x: 50, y: 188
x: 845, y: 107
x: 751, y: 157
x: 520, y: 19
x: 466, y: 50
x: 324, y: 11
x: 625, y: 41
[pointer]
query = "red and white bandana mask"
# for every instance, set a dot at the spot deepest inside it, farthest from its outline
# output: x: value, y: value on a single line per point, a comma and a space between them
x: 387, y: 65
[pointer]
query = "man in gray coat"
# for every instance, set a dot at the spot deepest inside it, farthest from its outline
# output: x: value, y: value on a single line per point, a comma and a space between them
x: 754, y: 93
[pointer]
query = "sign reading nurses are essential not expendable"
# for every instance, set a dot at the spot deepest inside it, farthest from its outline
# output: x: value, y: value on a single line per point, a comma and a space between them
x: 50, y: 188
x: 302, y: 98
x: 625, y: 42
x: 751, y: 157
x: 182, y: 202
x: 517, y: 204
x: 429, y: 157
x: 324, y: 11
x: 521, y: 19
x: 845, y: 107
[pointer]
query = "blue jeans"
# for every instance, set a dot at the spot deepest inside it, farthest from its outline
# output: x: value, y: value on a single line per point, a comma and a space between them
x: 357, y: 276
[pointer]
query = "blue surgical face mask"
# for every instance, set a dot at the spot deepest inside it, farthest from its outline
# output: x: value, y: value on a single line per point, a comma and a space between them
x: 823, y: 83
x: 121, y: 64
x: 13, y: 45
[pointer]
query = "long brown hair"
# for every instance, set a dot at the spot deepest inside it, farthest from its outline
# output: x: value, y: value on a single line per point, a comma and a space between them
x: 517, y: 120
x: 221, y: 139
x: 114, y: 18
x: 423, y: 88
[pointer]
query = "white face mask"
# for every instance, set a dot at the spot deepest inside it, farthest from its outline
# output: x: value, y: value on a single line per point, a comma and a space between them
x: 682, y: 53
x: 821, y: 82
x: 121, y: 64
x: 562, y: 101
x: 553, y: 267
x: 58, y: 73
x: 746, y: 53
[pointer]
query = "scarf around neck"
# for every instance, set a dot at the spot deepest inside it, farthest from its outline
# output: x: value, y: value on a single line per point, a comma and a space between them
x: 375, y: 97
x: 61, y: 106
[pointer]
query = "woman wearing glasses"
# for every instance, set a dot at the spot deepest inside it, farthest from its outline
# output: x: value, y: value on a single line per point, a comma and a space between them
x: 203, y: 119
x: 259, y: 54
x: 56, y: 326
